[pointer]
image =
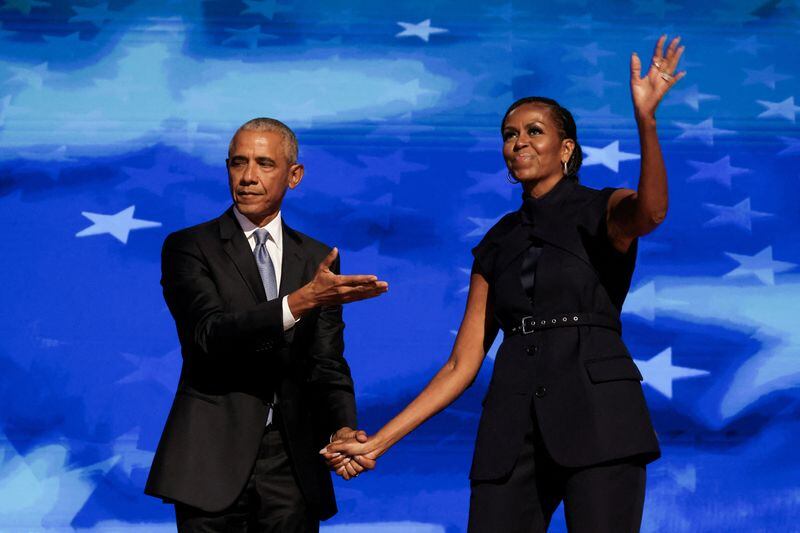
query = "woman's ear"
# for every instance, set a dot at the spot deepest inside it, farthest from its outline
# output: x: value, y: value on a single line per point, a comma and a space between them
x: 567, y: 147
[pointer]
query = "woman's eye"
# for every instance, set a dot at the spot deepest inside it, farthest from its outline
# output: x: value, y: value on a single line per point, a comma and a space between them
x: 508, y: 135
x: 534, y: 131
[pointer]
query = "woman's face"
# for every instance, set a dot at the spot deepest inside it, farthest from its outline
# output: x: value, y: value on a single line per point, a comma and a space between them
x: 532, y: 146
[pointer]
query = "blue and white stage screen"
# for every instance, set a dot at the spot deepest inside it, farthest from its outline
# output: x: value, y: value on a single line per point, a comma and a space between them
x: 114, y: 123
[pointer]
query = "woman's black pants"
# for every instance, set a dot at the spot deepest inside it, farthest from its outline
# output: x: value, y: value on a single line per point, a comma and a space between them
x: 602, y: 498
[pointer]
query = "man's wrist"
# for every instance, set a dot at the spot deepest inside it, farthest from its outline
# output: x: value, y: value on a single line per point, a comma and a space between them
x: 301, y: 301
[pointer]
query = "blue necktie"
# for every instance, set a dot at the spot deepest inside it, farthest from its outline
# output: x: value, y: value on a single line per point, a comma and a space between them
x: 265, y: 266
x: 267, y: 271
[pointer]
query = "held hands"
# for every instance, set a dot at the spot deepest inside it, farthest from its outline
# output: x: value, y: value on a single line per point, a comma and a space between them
x: 328, y: 288
x: 350, y: 453
x: 648, y: 91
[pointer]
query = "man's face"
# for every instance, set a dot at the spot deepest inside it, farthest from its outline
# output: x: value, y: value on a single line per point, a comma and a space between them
x: 259, y: 173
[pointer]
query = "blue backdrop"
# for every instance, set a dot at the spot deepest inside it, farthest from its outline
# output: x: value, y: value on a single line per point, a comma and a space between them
x: 114, y: 123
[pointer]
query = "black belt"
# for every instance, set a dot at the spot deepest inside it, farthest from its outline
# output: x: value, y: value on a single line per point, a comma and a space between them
x: 531, y: 324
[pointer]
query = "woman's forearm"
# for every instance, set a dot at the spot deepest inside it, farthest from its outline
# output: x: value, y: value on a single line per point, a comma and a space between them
x: 447, y: 385
x: 652, y: 194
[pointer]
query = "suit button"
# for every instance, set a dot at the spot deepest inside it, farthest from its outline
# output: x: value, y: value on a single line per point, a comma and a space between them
x: 541, y: 392
x: 532, y: 349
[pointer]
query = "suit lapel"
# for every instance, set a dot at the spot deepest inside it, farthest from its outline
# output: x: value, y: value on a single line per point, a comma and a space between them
x: 294, y: 262
x: 235, y: 245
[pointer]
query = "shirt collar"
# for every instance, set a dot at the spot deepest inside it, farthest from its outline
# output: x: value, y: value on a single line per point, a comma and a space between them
x: 274, y: 227
x: 533, y: 207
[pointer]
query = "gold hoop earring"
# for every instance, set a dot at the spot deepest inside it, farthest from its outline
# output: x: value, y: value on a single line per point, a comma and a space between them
x: 511, y: 179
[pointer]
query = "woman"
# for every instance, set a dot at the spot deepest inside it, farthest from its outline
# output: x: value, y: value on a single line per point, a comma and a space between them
x: 564, y: 417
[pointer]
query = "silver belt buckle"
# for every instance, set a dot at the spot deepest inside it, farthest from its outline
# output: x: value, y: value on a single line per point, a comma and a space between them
x: 528, y: 320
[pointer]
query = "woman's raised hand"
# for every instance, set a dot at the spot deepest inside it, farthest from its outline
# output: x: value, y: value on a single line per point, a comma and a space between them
x: 648, y: 91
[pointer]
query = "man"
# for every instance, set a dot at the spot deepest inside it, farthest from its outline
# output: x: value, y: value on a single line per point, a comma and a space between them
x: 264, y: 384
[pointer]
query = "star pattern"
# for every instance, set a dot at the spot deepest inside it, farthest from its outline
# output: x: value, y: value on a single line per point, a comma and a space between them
x: 94, y: 15
x: 423, y: 30
x: 739, y: 215
x: 482, y: 225
x: 766, y: 76
x: 784, y: 109
x: 661, y: 374
x: 609, y: 156
x: 265, y: 8
x: 596, y: 84
x: 760, y: 265
x: 590, y: 52
x: 703, y: 131
x: 690, y: 96
x: 720, y: 171
x: 249, y: 37
x: 392, y: 167
x: 119, y: 225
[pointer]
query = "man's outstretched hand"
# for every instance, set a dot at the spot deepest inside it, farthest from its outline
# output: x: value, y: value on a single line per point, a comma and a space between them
x: 328, y: 288
x: 346, y: 466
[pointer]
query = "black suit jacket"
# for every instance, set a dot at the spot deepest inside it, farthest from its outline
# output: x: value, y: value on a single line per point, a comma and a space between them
x: 235, y: 355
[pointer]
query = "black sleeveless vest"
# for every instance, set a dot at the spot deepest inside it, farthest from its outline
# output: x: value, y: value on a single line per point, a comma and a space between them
x: 562, y: 357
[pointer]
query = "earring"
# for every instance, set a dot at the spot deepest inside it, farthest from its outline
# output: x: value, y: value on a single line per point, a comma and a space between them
x: 511, y: 179
x: 566, y: 172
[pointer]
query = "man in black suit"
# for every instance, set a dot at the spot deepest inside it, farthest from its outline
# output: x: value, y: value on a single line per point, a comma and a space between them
x: 264, y: 384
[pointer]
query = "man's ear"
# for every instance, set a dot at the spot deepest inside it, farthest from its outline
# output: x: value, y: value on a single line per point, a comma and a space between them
x: 296, y: 172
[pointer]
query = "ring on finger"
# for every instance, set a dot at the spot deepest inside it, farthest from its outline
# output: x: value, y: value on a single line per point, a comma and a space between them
x: 667, y: 77
x: 657, y: 63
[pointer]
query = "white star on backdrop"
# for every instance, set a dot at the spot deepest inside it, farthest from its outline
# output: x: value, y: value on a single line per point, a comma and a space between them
x: 737, y: 215
x: 265, y: 8
x: 596, y: 84
x: 720, y: 171
x: 609, y: 156
x: 690, y: 96
x: 749, y: 45
x: 766, y: 76
x: 127, y: 452
x: 590, y: 52
x: 660, y: 373
x: 119, y: 225
x: 423, y: 30
x: 703, y: 131
x: 602, y: 116
x: 95, y: 15
x: 760, y: 265
x: 155, y: 178
x: 392, y: 167
x: 163, y: 370
x: 491, y: 182
x: 250, y: 37
x: 482, y: 225
x: 644, y: 301
x: 785, y: 109
x: 792, y: 145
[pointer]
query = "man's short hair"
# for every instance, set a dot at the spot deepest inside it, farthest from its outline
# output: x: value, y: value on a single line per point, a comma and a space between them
x: 270, y: 124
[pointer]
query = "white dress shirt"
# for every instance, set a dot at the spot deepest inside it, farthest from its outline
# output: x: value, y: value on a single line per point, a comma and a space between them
x: 275, y: 251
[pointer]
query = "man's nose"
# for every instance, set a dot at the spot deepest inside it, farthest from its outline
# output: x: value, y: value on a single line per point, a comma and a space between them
x: 249, y: 174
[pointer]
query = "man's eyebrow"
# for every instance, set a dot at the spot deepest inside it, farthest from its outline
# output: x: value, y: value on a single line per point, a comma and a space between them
x: 264, y: 159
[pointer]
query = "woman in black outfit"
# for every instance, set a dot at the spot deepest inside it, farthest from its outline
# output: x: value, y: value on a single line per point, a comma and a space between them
x: 564, y: 417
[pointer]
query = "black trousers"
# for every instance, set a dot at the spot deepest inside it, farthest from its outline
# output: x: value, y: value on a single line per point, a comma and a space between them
x: 602, y: 498
x: 270, y: 502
